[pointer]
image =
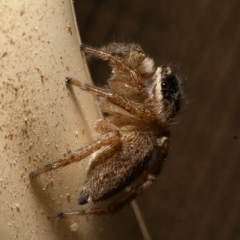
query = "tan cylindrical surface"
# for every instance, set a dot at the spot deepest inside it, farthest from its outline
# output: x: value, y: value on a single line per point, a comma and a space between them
x: 40, y: 120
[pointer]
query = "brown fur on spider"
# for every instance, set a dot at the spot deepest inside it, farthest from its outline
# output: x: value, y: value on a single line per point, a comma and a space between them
x: 140, y: 102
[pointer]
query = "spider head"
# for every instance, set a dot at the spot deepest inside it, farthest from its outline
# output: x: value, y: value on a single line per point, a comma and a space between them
x: 167, y: 92
x: 170, y: 88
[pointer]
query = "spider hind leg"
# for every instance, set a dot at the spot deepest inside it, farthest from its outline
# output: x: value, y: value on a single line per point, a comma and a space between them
x: 114, y: 207
x: 110, y: 139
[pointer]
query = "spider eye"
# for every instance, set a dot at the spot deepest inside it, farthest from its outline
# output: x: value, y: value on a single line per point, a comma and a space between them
x: 164, y: 85
x: 170, y: 91
x: 169, y: 85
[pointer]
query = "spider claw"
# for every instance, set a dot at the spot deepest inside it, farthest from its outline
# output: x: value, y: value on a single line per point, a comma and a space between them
x: 68, y: 80
x: 80, y: 212
x: 32, y: 174
x: 61, y: 215
x: 82, y: 46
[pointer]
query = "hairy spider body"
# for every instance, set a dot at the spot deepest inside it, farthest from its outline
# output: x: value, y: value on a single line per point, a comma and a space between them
x: 139, y: 103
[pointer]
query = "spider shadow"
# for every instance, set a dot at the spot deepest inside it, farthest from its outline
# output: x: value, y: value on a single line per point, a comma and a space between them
x: 79, y: 109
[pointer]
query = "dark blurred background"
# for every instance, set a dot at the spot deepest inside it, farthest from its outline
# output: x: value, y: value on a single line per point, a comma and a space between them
x: 197, y: 195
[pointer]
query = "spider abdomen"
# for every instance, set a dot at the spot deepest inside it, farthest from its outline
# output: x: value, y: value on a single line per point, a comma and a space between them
x: 111, y: 175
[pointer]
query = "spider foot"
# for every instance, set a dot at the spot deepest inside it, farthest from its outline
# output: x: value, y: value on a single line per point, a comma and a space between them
x: 68, y: 80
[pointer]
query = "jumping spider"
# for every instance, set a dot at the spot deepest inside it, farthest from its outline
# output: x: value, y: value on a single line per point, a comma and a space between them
x: 139, y: 103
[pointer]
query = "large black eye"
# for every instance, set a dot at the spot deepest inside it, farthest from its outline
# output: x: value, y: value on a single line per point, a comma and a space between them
x: 169, y: 85
x: 164, y: 85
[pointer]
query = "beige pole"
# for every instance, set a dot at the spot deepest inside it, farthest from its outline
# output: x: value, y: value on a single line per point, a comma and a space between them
x: 41, y: 120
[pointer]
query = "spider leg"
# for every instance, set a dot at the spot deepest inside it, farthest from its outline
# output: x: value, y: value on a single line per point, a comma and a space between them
x: 110, y: 139
x: 104, y: 126
x: 136, y: 109
x: 112, y: 208
x: 117, y: 63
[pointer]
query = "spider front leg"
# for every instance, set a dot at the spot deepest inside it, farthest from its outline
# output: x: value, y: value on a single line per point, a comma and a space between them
x: 110, y: 139
x: 112, y: 208
x: 135, y: 109
x: 117, y: 63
